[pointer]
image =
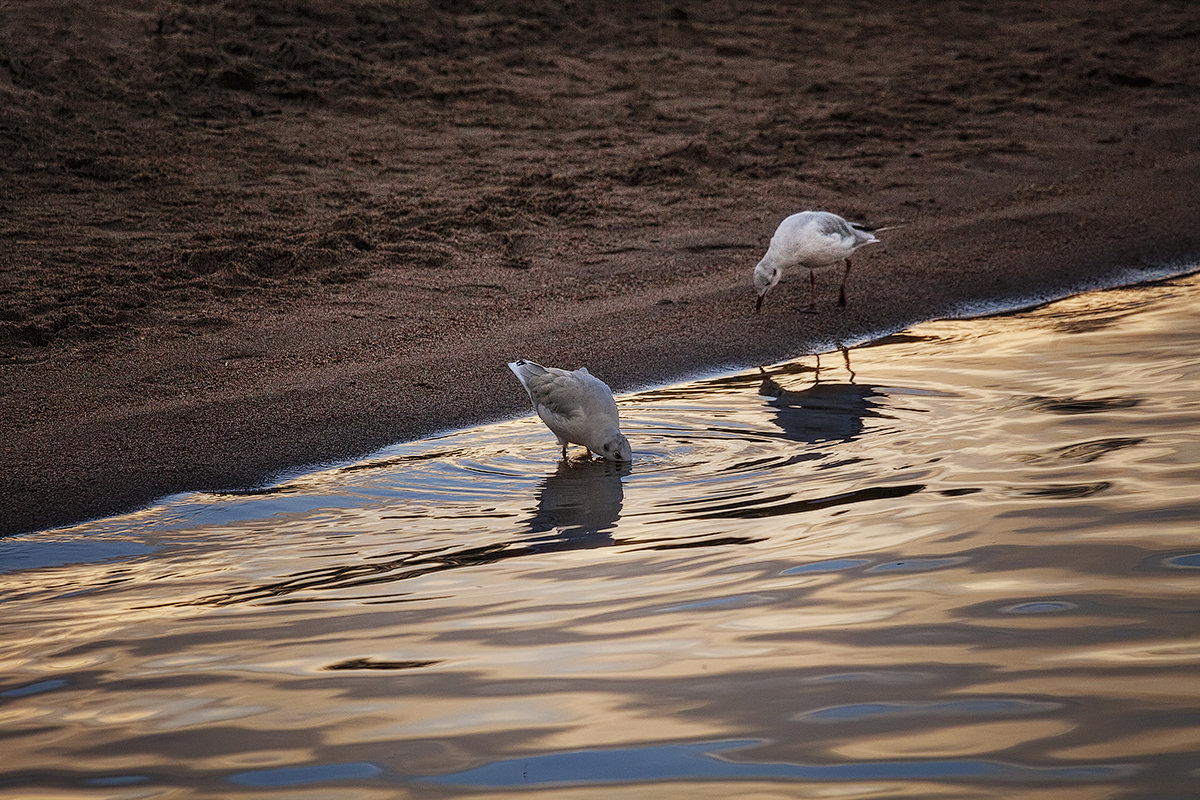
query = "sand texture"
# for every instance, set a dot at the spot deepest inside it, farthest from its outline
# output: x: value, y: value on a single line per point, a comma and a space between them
x: 241, y: 237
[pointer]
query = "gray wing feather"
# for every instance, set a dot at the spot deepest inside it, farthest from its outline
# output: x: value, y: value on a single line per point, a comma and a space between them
x: 833, y: 225
x: 851, y: 233
x: 558, y: 394
x: 556, y: 391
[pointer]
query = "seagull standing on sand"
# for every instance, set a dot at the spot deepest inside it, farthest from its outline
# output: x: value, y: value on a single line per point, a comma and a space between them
x: 812, y: 239
x: 576, y: 406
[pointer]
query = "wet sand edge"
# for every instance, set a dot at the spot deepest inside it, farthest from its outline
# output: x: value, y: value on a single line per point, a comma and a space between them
x: 117, y: 453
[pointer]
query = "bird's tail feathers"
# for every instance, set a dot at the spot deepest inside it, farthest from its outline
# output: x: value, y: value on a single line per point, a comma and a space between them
x: 876, y: 229
x: 524, y: 370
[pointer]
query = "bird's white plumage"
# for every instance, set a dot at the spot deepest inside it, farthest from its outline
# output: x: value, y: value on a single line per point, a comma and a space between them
x: 811, y: 239
x: 576, y: 406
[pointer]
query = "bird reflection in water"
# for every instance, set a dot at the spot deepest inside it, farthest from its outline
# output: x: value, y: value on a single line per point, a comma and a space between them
x: 823, y: 411
x: 579, y: 502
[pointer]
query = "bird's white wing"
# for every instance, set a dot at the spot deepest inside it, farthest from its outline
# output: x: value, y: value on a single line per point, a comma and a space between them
x: 600, y: 403
x: 558, y: 396
x: 818, y: 238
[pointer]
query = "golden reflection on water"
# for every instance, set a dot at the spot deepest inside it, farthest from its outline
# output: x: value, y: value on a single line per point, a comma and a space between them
x: 961, y: 561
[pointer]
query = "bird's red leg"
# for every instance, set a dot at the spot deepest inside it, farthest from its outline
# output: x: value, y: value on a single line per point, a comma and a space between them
x: 842, y: 294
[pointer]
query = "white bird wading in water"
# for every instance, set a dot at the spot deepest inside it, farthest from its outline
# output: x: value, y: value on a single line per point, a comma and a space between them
x: 576, y: 406
x: 811, y: 239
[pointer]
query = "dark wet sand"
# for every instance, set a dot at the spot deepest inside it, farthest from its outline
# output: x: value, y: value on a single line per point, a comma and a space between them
x: 237, y: 239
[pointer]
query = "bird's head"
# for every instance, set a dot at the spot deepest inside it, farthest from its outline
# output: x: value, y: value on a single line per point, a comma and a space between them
x: 616, y: 449
x: 766, y: 275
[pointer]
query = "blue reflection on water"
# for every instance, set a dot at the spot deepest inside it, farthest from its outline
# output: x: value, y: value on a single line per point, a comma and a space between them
x: 1040, y: 607
x: 832, y: 565
x: 699, y: 760
x: 35, y: 688
x: 38, y: 553
x: 298, y: 776
x: 117, y: 780
x: 972, y: 707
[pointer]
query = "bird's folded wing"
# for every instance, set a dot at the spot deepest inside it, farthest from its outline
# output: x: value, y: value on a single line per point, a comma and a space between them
x: 834, y: 227
x: 559, y: 393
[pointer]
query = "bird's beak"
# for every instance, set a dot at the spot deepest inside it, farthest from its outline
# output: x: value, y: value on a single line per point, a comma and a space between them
x: 758, y: 305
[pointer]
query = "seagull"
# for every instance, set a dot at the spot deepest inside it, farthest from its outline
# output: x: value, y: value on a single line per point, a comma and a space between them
x: 812, y: 239
x: 576, y: 406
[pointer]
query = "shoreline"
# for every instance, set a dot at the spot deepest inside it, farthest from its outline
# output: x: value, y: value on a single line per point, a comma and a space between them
x: 226, y: 263
x: 1166, y: 271
x: 1128, y: 277
x: 297, y: 471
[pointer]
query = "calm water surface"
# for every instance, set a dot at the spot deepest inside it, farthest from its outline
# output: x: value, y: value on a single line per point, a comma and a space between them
x: 963, y: 561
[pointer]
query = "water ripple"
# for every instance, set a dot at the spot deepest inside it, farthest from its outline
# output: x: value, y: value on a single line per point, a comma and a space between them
x: 959, y: 561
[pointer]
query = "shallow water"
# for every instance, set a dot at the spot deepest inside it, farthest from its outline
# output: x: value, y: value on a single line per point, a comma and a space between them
x: 963, y: 561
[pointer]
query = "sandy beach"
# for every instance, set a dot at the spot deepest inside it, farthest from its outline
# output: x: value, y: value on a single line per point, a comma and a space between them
x: 241, y: 238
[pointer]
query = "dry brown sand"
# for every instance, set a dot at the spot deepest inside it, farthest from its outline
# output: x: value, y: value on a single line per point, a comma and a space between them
x: 240, y: 237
